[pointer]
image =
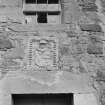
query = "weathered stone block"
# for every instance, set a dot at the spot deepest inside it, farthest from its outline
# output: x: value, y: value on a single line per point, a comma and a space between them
x: 103, y: 100
x: 93, y: 49
x: 85, y: 99
x: 90, y: 8
x: 91, y: 27
x: 101, y: 75
x: 79, y: 46
x: 64, y: 50
x: 11, y: 3
x: 5, y: 44
x: 85, y: 20
x: 102, y: 3
x: 95, y: 45
x: 71, y: 11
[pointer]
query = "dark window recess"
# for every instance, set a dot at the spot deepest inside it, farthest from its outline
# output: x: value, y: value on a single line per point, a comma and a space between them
x: 42, y: 17
x: 43, y: 99
x: 53, y: 1
x: 53, y: 13
x: 30, y: 1
x: 41, y: 1
x: 29, y: 13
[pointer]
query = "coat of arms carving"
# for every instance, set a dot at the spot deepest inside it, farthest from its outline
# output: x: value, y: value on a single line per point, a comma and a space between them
x: 42, y: 53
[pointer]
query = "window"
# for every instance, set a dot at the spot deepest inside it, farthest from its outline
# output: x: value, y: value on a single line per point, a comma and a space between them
x: 48, y: 12
x: 53, y: 1
x: 42, y: 17
x: 30, y: 17
x: 30, y: 1
x: 42, y: 1
x: 54, y: 17
x: 29, y: 13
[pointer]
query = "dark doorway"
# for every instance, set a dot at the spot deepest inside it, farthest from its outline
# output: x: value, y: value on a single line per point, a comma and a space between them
x: 42, y: 17
x: 42, y: 99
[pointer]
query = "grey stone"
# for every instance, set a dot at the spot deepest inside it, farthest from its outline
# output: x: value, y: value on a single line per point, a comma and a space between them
x: 101, y: 76
x: 95, y: 45
x: 64, y: 50
x: 93, y: 49
x: 5, y: 44
x: 91, y: 28
x: 79, y: 65
x: 89, y: 7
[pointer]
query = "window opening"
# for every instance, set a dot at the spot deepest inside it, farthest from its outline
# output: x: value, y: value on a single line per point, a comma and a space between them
x: 41, y: 1
x: 54, y: 13
x: 30, y: 17
x: 42, y: 17
x: 30, y: 1
x: 54, y: 17
x: 53, y: 1
x: 50, y: 15
x: 29, y: 13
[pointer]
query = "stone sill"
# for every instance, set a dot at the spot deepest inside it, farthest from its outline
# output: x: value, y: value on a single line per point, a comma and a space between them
x: 44, y: 27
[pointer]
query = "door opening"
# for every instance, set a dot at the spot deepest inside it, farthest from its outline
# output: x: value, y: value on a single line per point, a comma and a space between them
x: 42, y: 99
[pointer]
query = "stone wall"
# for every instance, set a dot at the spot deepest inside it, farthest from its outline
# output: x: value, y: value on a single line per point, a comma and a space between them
x: 81, y: 41
x: 95, y: 12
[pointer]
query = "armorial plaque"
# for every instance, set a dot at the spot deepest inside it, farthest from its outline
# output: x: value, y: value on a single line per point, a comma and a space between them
x: 41, y: 53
